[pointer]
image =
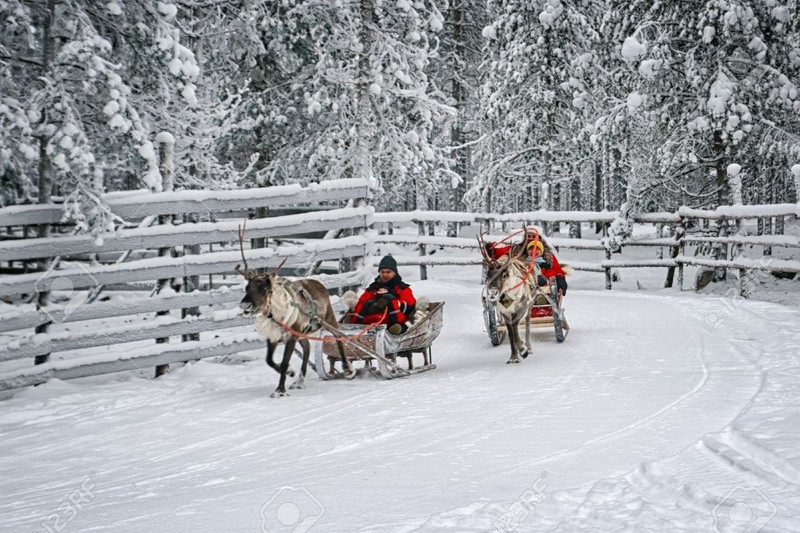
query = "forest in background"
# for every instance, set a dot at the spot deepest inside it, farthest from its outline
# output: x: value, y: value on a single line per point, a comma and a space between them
x: 497, y: 106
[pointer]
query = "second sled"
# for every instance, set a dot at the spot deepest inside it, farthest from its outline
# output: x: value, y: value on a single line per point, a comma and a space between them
x: 546, y: 312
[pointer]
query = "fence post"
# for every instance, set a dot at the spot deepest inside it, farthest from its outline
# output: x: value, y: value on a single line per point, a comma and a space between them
x: 423, y: 269
x: 768, y: 231
x: 742, y: 283
x: 681, y: 251
x: 166, y: 145
x: 676, y: 250
x: 721, y: 249
x: 660, y: 234
x: 191, y: 283
x: 608, y: 257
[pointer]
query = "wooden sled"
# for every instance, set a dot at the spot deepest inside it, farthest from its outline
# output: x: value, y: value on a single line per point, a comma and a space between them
x: 379, y: 347
x: 546, y: 312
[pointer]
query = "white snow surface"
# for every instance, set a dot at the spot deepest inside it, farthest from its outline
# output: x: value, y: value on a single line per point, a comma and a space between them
x: 663, y: 411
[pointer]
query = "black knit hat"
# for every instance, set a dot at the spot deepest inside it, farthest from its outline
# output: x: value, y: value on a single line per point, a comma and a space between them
x: 388, y: 262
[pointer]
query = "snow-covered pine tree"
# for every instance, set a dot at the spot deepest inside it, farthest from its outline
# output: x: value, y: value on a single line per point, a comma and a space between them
x: 342, y: 91
x: 530, y: 94
x: 84, y: 82
x: 719, y: 81
x: 456, y: 72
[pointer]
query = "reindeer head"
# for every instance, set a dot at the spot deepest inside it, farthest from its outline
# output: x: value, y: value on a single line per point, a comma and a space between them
x: 498, y: 270
x: 259, y: 286
x: 257, y: 292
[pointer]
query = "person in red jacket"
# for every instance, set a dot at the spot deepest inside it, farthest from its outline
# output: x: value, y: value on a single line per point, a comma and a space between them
x: 388, y: 300
x: 537, y: 251
x: 496, y: 249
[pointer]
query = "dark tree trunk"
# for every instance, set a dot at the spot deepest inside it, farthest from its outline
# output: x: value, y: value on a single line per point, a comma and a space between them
x: 457, y: 131
x: 575, y: 204
x: 720, y: 168
x: 45, y: 164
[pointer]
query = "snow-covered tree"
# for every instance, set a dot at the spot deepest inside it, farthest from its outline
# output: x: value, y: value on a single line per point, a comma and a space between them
x: 533, y: 99
x: 342, y: 91
x: 456, y: 72
x: 83, y: 85
x: 719, y: 83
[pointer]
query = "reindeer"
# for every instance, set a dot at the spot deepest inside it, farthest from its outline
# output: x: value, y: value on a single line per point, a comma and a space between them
x: 288, y: 311
x: 511, y: 286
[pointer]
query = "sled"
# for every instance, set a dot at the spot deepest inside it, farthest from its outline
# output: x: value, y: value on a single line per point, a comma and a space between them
x: 378, y: 349
x: 546, y: 312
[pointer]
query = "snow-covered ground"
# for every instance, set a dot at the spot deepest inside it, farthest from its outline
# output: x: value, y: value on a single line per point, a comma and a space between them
x: 663, y: 411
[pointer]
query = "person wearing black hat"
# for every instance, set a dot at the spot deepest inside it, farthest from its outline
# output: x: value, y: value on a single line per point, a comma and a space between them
x: 388, y: 300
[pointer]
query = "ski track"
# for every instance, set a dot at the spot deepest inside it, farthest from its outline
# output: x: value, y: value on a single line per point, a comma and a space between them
x: 631, y: 428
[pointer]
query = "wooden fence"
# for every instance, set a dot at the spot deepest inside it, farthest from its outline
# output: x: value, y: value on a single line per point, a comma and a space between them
x: 180, y: 236
x: 716, y: 231
x: 68, y: 337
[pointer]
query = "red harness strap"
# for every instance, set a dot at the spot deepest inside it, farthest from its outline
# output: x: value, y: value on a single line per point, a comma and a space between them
x: 524, y: 279
x: 355, y: 337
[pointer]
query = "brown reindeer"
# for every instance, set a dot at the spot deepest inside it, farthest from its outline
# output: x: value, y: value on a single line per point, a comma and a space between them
x: 510, y: 286
x: 287, y: 311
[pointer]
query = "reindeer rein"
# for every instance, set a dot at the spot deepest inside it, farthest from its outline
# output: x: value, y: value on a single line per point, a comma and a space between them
x: 524, y: 279
x: 351, y: 338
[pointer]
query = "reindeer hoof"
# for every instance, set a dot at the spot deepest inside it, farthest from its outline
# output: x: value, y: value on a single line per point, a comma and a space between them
x: 513, y: 360
x: 279, y: 394
x: 525, y: 354
x: 297, y: 385
x: 349, y: 374
x: 290, y: 372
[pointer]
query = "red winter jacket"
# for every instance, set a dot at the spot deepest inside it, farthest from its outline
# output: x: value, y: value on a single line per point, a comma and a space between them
x: 400, y: 303
x: 553, y: 270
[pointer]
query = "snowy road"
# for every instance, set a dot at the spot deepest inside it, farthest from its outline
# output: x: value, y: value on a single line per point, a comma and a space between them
x: 657, y: 414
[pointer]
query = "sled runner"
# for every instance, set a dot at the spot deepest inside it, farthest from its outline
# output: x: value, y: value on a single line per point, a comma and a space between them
x: 379, y: 347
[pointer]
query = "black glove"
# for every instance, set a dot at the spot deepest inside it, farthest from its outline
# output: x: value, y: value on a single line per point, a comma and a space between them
x: 388, y: 296
x: 374, y: 306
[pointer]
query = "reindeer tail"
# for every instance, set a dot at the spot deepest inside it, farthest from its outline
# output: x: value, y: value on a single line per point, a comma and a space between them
x: 567, y: 268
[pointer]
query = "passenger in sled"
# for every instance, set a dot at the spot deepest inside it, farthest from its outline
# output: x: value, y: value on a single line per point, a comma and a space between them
x: 388, y: 300
x: 536, y: 250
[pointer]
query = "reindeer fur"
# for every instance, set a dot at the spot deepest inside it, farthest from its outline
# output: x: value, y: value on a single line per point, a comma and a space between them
x: 511, y: 288
x: 302, y: 306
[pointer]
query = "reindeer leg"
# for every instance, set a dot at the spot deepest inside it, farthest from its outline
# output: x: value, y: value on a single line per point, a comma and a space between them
x: 526, y: 347
x: 301, y: 380
x: 513, y: 340
x: 272, y: 364
x: 287, y: 356
x: 347, y: 369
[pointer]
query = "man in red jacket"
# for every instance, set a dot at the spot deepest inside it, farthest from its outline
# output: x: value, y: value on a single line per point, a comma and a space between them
x: 388, y: 300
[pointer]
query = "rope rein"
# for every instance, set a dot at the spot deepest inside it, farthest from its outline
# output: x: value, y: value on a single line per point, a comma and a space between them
x: 524, y: 278
x: 350, y: 338
x: 315, y: 322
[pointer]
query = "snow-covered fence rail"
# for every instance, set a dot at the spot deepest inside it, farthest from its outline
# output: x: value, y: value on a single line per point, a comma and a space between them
x: 683, y: 221
x: 75, y: 333
x: 132, y: 205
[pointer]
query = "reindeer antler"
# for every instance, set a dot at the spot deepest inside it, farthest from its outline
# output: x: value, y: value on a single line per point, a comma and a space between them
x: 522, y: 248
x: 246, y: 272
x: 484, y: 253
x: 279, y: 266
